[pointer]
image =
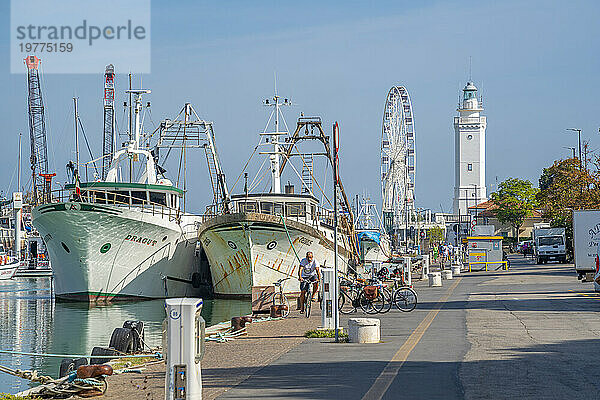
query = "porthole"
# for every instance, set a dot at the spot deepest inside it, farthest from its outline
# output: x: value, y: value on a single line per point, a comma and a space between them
x: 232, y: 245
x: 165, y: 238
x: 469, y: 137
x: 105, y: 247
x: 271, y: 245
x: 65, y: 247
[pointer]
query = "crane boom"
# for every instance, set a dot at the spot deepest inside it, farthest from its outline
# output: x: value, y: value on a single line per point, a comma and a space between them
x: 37, y: 130
x: 109, y: 119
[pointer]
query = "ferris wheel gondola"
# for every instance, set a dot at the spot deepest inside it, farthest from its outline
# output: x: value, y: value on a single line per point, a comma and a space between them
x: 398, y: 160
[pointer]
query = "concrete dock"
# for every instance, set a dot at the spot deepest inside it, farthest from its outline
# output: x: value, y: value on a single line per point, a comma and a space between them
x: 530, y: 332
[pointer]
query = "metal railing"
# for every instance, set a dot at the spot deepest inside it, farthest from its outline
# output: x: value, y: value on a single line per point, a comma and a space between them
x: 503, y: 264
x: 321, y: 216
x: 119, y: 199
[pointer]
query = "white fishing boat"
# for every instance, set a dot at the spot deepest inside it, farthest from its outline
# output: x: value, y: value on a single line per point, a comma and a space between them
x: 265, y: 234
x: 120, y: 238
x: 10, y: 264
x: 374, y: 243
x: 8, y: 271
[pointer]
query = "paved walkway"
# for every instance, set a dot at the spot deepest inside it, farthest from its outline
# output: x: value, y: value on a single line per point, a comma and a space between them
x: 485, y: 335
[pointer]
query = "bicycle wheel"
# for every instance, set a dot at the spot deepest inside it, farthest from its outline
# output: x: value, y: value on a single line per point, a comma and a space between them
x: 387, y: 300
x: 405, y: 299
x: 280, y: 299
x: 345, y: 303
x: 371, y: 306
x: 307, y: 304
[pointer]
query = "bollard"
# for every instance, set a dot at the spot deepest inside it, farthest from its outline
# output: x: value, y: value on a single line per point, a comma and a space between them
x: 447, y: 274
x: 455, y: 270
x: 327, y: 306
x: 238, y: 323
x: 425, y: 269
x: 184, y: 349
x: 364, y: 330
x: 407, y: 271
x: 435, y: 279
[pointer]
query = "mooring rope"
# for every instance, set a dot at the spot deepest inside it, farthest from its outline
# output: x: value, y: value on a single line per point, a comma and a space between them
x: 23, y: 353
x: 289, y: 237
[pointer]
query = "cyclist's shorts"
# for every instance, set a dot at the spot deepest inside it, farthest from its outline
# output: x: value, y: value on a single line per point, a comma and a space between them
x: 304, y: 284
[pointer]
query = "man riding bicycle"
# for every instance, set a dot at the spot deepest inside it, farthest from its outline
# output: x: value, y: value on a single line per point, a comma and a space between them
x: 307, y: 274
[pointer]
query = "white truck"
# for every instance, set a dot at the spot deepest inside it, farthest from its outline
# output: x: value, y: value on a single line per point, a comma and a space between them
x: 549, y: 244
x: 586, y: 236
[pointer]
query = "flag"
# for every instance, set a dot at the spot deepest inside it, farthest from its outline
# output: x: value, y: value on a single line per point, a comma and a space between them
x: 77, y: 184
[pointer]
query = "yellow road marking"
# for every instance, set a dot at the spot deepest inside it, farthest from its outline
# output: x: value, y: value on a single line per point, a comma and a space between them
x: 387, y: 376
x: 592, y: 295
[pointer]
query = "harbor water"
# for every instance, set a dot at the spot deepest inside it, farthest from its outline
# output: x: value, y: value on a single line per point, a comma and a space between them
x: 32, y: 321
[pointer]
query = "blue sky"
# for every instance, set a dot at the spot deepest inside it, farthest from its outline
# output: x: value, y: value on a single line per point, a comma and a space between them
x: 536, y: 63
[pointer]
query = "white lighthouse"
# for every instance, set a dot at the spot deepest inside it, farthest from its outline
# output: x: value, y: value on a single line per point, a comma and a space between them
x: 469, y: 152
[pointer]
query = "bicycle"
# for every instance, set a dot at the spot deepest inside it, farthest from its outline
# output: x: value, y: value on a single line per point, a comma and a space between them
x: 307, y: 298
x: 280, y: 299
x: 404, y: 297
x: 347, y: 300
x: 369, y: 298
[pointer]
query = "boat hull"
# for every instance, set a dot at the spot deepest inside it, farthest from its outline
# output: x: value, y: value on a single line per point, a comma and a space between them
x: 103, y: 252
x: 8, y: 271
x: 247, y: 250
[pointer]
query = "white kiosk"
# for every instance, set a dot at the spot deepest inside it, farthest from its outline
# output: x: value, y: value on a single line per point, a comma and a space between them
x: 328, y: 303
x: 184, y: 349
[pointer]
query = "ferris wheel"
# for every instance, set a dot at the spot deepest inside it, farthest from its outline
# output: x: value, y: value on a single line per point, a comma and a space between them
x: 398, y: 159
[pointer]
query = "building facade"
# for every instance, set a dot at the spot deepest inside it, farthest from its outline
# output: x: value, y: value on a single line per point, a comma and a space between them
x: 469, y: 152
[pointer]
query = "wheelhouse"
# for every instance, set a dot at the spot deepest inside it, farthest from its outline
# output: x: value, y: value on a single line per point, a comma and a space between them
x: 126, y: 194
x: 300, y: 207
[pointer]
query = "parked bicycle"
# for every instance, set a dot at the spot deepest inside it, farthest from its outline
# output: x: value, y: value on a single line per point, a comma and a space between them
x: 280, y: 299
x: 403, y: 297
x: 353, y: 295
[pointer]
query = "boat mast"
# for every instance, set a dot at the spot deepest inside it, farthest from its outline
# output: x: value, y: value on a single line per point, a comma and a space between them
x: 19, y: 166
x: 276, y: 177
x: 76, y: 135
x: 130, y: 128
x: 137, y: 93
x: 274, y: 156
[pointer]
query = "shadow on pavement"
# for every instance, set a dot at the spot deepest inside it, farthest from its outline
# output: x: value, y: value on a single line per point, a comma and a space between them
x: 564, y: 370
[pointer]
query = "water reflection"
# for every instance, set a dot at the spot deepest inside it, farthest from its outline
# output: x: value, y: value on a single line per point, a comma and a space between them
x: 31, y: 321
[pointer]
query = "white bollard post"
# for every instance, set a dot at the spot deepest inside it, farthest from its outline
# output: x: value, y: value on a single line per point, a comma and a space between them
x: 328, y: 303
x: 364, y: 330
x: 435, y: 279
x: 184, y: 349
x: 455, y: 270
x: 425, y: 269
x: 447, y: 274
x: 407, y: 271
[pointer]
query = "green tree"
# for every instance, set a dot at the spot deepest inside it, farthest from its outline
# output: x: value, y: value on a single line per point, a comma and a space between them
x: 436, y: 234
x: 564, y: 187
x: 516, y: 200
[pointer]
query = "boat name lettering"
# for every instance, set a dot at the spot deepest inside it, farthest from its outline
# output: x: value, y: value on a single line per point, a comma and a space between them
x: 140, y: 239
x: 305, y: 241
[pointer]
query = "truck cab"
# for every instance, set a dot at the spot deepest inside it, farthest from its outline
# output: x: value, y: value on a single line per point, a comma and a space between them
x: 549, y: 244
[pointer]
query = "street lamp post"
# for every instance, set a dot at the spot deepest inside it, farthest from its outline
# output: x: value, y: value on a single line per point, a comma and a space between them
x: 579, y: 141
x: 572, y: 149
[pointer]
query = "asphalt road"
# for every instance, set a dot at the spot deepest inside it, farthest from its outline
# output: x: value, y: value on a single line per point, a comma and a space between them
x: 531, y: 332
